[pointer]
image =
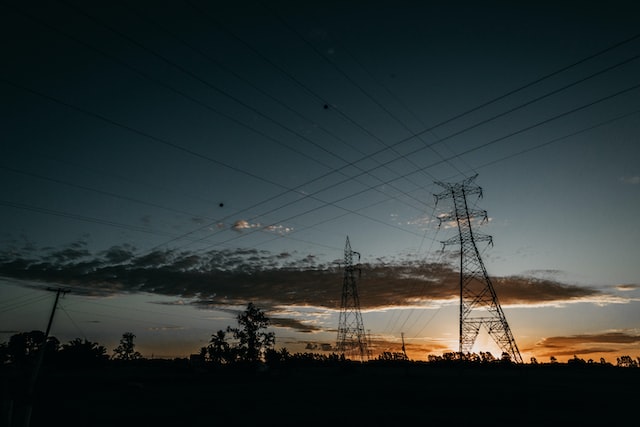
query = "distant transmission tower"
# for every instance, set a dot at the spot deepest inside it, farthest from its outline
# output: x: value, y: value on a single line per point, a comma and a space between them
x: 479, y: 304
x: 352, y: 340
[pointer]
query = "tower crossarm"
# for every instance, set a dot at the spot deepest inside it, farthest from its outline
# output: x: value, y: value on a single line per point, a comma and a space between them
x: 453, y: 189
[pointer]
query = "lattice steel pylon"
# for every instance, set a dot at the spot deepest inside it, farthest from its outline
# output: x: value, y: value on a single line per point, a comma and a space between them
x: 352, y: 341
x: 479, y: 304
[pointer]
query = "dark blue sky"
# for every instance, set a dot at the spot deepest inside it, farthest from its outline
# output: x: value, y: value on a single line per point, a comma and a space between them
x: 249, y: 136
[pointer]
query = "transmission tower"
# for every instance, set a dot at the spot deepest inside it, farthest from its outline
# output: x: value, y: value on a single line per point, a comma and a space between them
x: 352, y: 340
x: 479, y: 304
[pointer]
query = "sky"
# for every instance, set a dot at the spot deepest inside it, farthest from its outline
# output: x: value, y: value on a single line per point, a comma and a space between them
x: 168, y: 162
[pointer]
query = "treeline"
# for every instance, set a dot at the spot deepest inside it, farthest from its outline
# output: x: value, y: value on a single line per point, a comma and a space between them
x: 486, y: 358
x: 25, y: 348
x: 248, y: 344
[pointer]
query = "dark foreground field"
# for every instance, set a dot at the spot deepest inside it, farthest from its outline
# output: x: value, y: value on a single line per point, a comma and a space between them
x: 378, y: 395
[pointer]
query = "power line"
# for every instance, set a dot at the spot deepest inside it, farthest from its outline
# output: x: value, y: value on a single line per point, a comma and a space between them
x: 78, y: 217
x: 558, y: 139
x: 154, y: 138
x: 491, y: 142
x: 210, y: 86
x: 527, y: 128
x: 399, y: 101
x: 221, y: 91
x: 125, y: 226
x: 494, y: 161
x: 537, y: 146
x: 202, y: 12
x: 23, y: 303
x: 257, y: 88
x: 484, y: 145
x: 494, y: 100
x: 157, y: 139
x: 95, y: 169
x: 98, y: 191
x: 315, y: 209
x: 163, y: 313
x: 535, y: 82
x: 73, y: 322
x: 546, y: 121
x: 279, y: 102
x: 457, y: 155
x: 530, y: 127
x: 139, y: 132
x: 358, y: 86
x: 548, y: 143
x: 460, y: 154
x: 539, y: 98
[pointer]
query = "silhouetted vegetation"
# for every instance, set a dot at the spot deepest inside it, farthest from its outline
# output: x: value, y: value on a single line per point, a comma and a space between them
x: 82, y: 353
x: 392, y: 356
x: 80, y: 378
x: 22, y: 348
x: 127, y: 349
x: 250, y: 341
x: 384, y: 391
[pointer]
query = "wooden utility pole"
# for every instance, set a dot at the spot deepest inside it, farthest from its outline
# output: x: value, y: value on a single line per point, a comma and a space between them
x: 34, y: 375
x: 404, y: 351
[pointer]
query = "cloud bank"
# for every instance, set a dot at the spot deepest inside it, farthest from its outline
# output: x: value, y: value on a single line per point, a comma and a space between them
x: 232, y: 277
x: 285, y: 283
x: 585, y: 345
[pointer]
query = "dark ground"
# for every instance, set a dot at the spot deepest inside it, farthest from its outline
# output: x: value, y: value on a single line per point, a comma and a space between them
x: 377, y: 395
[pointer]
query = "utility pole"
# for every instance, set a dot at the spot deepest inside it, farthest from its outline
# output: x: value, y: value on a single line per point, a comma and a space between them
x: 404, y: 350
x: 479, y: 304
x: 39, y: 360
x: 352, y: 340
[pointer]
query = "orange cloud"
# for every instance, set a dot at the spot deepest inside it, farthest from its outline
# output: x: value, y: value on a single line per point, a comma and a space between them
x: 595, y: 345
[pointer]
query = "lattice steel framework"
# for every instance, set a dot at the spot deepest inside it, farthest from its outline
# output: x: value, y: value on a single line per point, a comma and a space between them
x: 352, y: 340
x: 479, y: 304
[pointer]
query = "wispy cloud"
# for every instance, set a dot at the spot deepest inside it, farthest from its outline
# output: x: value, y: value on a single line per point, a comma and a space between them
x: 586, y: 344
x: 627, y: 287
x: 242, y: 225
x: 278, y: 229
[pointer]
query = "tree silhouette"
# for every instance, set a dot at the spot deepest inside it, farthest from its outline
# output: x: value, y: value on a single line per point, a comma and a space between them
x: 575, y: 361
x: 82, y: 353
x: 253, y: 342
x: 126, y: 349
x: 626, y: 362
x: 218, y: 351
x: 23, y: 347
x: 387, y: 356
